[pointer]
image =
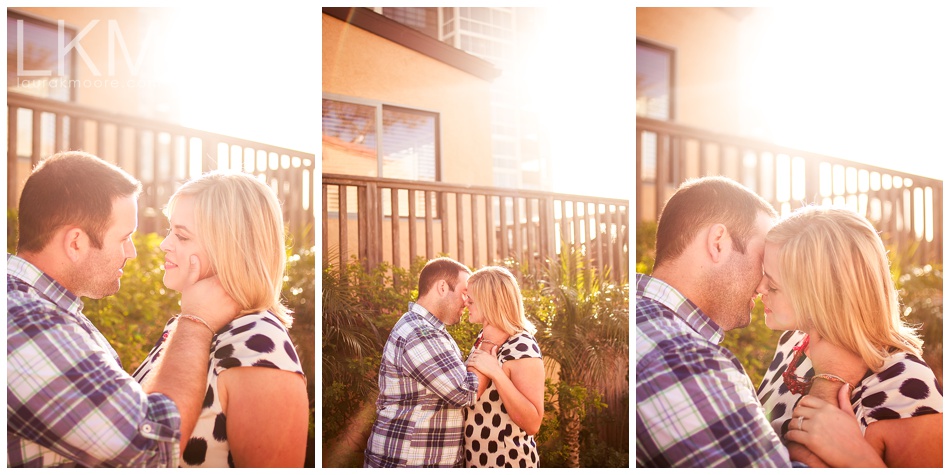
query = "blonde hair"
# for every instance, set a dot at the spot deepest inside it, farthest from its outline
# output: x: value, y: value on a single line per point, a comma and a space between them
x: 496, y: 291
x: 835, y: 271
x: 239, y: 220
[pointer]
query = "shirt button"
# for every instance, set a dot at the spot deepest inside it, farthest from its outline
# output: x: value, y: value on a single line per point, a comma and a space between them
x: 147, y: 428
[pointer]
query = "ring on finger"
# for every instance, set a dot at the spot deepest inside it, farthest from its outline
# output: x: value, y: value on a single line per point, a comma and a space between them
x: 801, y: 420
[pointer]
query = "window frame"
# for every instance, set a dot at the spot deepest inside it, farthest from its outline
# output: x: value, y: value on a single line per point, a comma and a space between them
x: 70, y: 30
x: 379, y: 106
x: 671, y: 53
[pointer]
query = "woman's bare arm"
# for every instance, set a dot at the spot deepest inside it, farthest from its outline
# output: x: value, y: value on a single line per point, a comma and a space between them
x: 267, y: 416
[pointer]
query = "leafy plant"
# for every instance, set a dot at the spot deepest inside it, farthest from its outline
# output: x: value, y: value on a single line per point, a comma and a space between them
x: 12, y: 230
x: 583, y: 330
x: 921, y: 293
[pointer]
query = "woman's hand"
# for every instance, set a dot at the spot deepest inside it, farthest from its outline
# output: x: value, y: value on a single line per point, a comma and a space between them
x: 484, y: 362
x: 832, y: 433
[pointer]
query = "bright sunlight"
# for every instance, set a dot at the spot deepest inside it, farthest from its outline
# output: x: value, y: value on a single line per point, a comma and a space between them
x: 581, y: 81
x: 866, y: 84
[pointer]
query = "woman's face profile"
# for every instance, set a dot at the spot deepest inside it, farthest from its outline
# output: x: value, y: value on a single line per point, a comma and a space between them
x: 182, y: 242
x: 779, y: 314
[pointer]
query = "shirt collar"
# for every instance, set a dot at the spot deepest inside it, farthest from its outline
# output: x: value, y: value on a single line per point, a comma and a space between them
x: 664, y: 294
x: 44, y: 284
x: 426, y: 315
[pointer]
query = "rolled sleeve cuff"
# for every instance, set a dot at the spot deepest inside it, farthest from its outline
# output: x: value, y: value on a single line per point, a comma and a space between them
x: 163, y: 425
x: 471, y: 383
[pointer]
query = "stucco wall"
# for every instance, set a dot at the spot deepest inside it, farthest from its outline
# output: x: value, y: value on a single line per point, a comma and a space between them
x: 359, y: 64
x: 706, y: 71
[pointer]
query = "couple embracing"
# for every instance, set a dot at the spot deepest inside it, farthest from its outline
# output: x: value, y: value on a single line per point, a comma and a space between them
x: 436, y: 410
x: 205, y: 395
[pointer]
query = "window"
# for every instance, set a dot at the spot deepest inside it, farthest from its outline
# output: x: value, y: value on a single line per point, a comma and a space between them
x: 378, y: 140
x: 409, y: 144
x: 654, y: 81
x: 33, y: 57
x: 654, y: 98
x: 407, y: 148
x: 424, y: 19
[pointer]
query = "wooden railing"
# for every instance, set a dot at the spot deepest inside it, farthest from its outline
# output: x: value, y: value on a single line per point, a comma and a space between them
x: 907, y: 209
x: 161, y: 155
x: 377, y: 220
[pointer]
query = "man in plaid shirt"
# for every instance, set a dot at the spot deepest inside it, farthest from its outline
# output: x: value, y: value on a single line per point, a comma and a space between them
x: 696, y: 407
x: 69, y: 402
x: 423, y: 382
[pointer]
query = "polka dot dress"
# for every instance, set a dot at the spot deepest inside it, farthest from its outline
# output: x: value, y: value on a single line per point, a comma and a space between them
x: 904, y: 387
x: 252, y: 340
x: 492, y: 439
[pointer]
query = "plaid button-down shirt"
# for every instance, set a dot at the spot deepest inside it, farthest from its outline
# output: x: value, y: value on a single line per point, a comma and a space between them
x: 423, y: 385
x: 69, y: 402
x: 696, y: 406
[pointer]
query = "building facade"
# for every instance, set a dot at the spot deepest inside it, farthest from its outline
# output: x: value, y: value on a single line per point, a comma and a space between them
x: 501, y: 36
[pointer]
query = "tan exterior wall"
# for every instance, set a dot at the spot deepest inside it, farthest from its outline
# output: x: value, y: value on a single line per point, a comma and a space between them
x: 706, y: 69
x: 124, y: 91
x: 359, y: 64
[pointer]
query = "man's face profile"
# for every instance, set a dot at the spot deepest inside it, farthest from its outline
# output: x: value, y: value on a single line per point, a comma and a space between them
x: 99, y: 274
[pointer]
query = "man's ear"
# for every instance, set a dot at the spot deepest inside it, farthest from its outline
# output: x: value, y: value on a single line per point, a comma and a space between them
x: 444, y: 288
x: 75, y: 243
x: 716, y: 237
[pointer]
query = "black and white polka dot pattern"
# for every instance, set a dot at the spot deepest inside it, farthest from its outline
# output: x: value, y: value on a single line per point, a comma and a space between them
x: 252, y: 340
x: 904, y: 387
x: 492, y: 439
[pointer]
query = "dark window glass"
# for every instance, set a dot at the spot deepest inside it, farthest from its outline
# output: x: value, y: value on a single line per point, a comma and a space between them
x: 654, y: 81
x: 33, y: 58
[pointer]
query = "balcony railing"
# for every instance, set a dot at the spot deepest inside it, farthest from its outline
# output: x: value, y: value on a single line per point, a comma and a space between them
x: 161, y: 155
x: 907, y: 209
x: 377, y: 220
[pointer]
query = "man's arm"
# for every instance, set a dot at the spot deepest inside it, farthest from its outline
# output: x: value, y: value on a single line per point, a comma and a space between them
x: 66, y: 393
x: 696, y: 408
x: 827, y: 358
x: 431, y: 357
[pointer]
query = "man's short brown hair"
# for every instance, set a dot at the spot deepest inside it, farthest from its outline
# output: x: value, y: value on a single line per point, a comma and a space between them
x: 70, y: 189
x: 700, y: 202
x: 440, y: 268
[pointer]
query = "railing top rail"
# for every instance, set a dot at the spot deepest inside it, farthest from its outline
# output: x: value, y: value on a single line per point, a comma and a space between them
x: 67, y: 108
x: 352, y: 180
x: 663, y: 126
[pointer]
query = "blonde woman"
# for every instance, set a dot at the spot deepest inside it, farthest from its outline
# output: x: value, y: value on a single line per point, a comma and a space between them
x: 256, y: 407
x: 500, y: 427
x: 827, y: 283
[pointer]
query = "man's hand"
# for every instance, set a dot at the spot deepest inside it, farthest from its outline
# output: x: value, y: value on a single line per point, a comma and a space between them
x: 207, y: 299
x: 832, y: 433
x: 799, y: 453
x: 828, y: 358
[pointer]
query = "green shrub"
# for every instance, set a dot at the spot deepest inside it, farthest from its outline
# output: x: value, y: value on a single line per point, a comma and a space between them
x: 921, y: 293
x: 12, y: 230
